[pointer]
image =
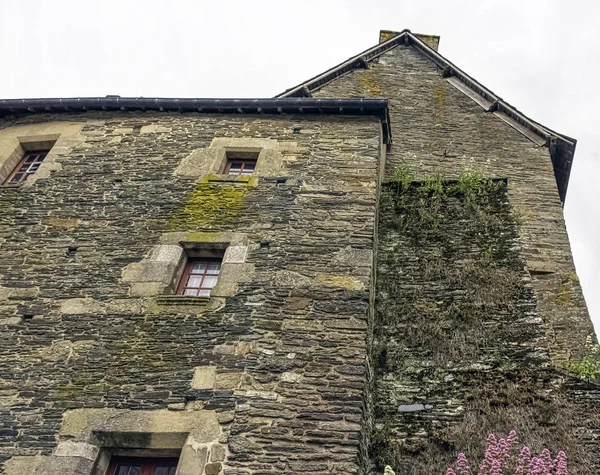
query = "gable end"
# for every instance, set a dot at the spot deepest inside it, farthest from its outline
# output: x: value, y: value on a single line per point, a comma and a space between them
x: 562, y: 148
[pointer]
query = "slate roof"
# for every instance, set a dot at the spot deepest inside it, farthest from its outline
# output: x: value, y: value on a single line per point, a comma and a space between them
x: 562, y: 148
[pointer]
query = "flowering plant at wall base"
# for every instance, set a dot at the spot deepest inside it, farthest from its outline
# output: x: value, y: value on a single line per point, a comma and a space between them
x: 503, y: 457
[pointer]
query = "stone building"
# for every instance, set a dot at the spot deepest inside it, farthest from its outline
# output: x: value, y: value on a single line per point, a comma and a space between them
x: 370, y: 269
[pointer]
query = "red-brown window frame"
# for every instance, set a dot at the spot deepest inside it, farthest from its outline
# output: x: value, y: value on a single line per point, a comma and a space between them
x: 23, y: 163
x: 187, y: 272
x: 243, y: 161
x: 148, y: 464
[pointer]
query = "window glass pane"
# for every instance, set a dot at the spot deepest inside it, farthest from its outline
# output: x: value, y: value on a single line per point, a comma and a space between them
x: 161, y: 471
x: 198, y: 267
x: 172, y: 471
x: 213, y: 268
x: 135, y: 470
x: 192, y: 292
x: 30, y: 158
x: 246, y: 172
x: 204, y: 293
x: 209, y: 281
x: 194, y: 281
x: 249, y: 166
x: 122, y: 470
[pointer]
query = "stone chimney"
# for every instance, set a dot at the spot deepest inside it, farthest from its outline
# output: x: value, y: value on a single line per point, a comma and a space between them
x: 430, y: 40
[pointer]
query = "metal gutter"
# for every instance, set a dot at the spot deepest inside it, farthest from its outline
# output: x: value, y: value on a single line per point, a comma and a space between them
x: 373, y: 107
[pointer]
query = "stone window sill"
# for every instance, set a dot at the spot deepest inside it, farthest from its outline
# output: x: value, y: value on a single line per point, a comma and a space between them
x: 212, y: 179
x: 185, y: 300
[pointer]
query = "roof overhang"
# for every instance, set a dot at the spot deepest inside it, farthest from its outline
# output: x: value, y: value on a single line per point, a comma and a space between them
x: 354, y: 107
x: 562, y: 148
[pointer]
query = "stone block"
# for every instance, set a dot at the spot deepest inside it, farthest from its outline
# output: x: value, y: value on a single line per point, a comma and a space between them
x: 204, y: 377
x: 49, y: 465
x: 289, y: 377
x: 166, y: 253
x: 235, y: 255
x: 228, y: 380
x: 192, y: 460
x: 69, y: 448
x: 217, y: 453
x: 213, y: 468
x: 148, y: 289
x: 201, y: 162
x: 161, y: 428
x: 350, y: 257
x: 150, y: 271
x: 154, y: 129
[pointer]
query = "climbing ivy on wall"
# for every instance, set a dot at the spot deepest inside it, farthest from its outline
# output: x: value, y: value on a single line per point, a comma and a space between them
x: 456, y: 345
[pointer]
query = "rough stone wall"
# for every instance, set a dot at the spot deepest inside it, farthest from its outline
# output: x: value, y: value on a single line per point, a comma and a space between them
x: 437, y: 130
x: 287, y: 351
x: 460, y: 351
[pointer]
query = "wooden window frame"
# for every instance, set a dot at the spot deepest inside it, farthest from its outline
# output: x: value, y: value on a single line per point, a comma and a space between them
x: 188, y: 271
x: 241, y: 159
x: 23, y: 168
x: 148, y: 464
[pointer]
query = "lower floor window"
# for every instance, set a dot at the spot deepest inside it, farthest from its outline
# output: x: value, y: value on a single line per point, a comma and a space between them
x: 199, y: 277
x: 142, y: 466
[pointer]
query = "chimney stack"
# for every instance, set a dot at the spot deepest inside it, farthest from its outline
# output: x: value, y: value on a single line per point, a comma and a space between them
x: 432, y: 41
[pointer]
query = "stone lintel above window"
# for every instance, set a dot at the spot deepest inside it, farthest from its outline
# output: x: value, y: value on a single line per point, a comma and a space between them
x: 262, y: 157
x: 90, y: 438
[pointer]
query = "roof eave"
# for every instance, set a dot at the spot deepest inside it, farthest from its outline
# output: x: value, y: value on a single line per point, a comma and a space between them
x: 356, y: 106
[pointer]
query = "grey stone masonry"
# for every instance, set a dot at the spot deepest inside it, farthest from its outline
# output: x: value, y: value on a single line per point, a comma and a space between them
x: 437, y: 128
x: 278, y: 355
x: 440, y: 132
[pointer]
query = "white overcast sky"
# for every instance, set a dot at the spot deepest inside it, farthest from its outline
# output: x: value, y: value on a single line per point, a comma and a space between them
x: 541, y: 56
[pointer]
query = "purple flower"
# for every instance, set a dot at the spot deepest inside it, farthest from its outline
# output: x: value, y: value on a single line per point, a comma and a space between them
x: 501, y: 455
x: 462, y: 465
x: 560, y: 463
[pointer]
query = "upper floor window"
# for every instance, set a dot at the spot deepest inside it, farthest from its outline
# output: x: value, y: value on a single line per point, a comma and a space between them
x: 199, y: 277
x: 239, y: 164
x: 142, y: 466
x: 28, y: 165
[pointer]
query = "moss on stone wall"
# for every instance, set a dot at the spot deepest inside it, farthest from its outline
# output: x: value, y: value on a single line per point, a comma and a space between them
x: 210, y: 205
x: 458, y: 348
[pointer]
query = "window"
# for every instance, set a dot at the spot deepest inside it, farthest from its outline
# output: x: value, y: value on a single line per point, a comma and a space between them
x: 26, y: 167
x: 199, y: 277
x: 239, y: 164
x: 142, y: 466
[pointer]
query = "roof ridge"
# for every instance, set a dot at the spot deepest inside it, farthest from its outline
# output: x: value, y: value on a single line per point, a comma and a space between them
x: 562, y: 147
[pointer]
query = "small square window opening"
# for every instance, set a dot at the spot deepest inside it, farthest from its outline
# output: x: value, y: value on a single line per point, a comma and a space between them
x: 240, y: 164
x: 199, y: 277
x: 26, y: 167
x: 142, y: 466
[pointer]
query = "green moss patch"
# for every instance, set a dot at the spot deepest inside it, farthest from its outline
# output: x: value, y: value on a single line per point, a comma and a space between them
x: 210, y: 206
